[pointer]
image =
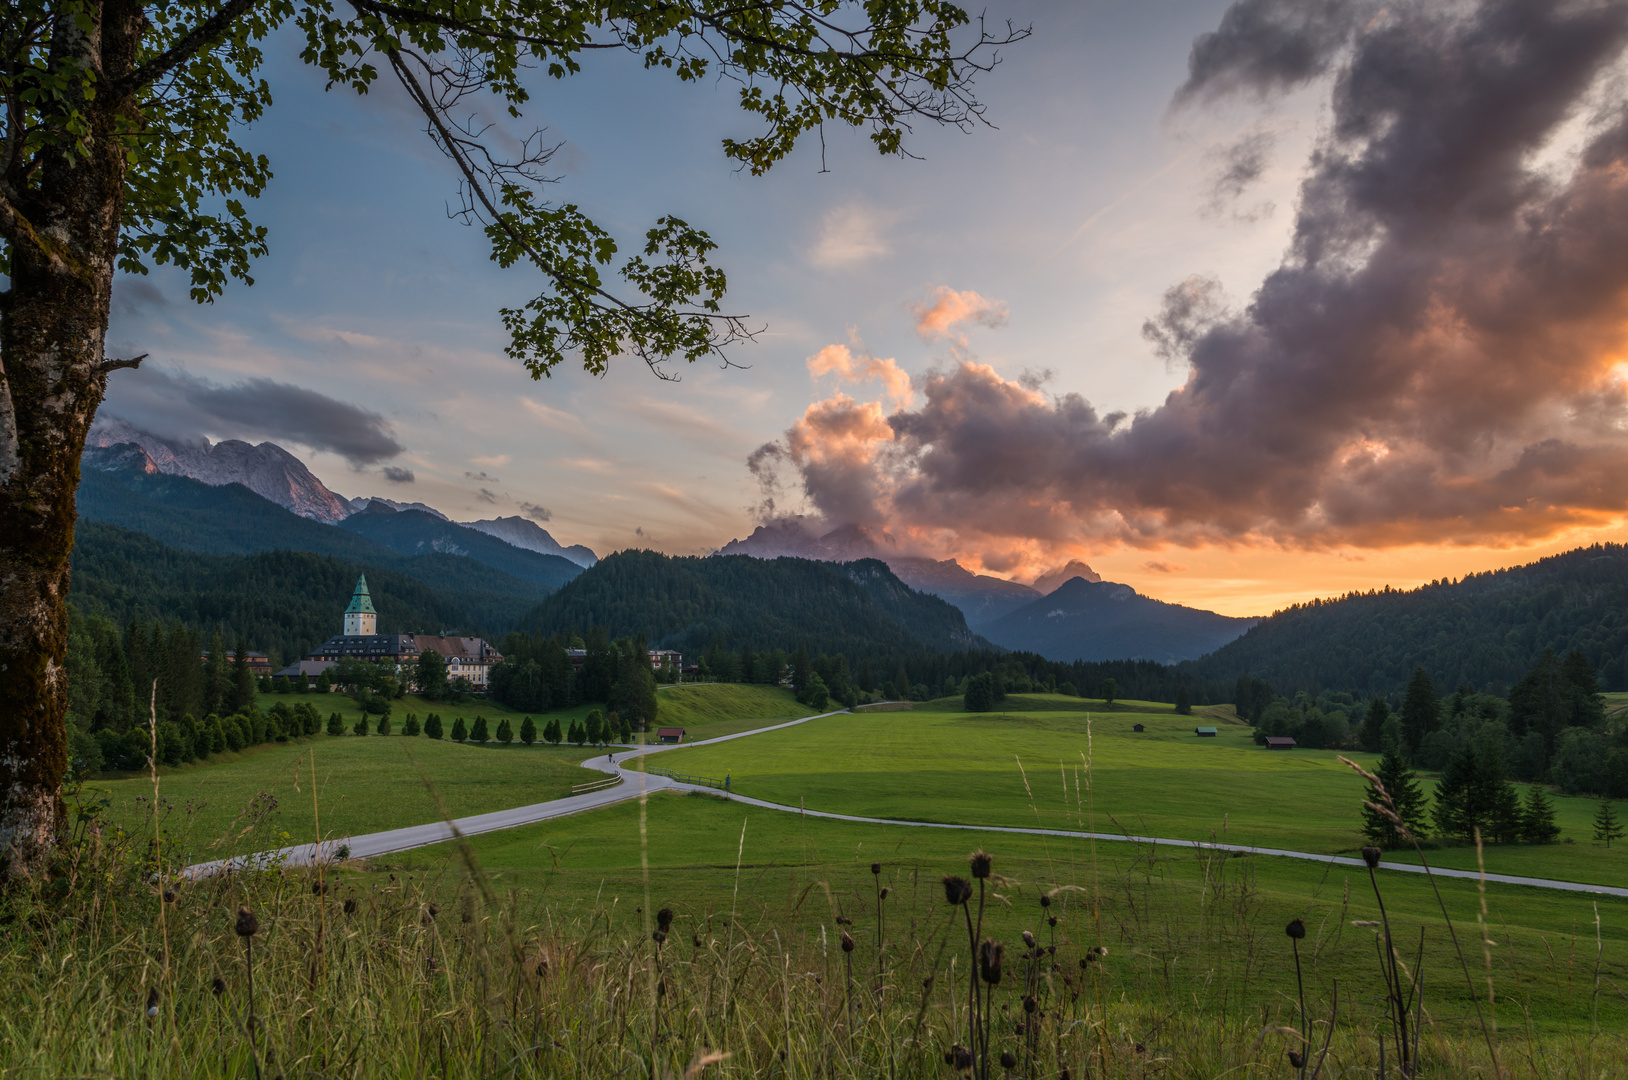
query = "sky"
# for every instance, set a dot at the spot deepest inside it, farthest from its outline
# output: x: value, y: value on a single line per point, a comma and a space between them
x: 1241, y: 304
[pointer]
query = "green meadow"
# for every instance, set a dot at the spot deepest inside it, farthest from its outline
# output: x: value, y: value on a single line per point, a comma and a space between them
x: 1027, y: 767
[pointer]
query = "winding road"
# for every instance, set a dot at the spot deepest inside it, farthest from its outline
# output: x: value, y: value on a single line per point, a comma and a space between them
x: 636, y: 782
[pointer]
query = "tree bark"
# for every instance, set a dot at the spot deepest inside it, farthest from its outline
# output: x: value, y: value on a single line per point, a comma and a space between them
x: 52, y: 327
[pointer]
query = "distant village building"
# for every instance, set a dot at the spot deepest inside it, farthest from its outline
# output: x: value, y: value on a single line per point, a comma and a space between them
x: 1204, y: 732
x: 660, y: 659
x: 1137, y: 727
x: 670, y: 734
x: 1279, y: 742
x: 469, y: 658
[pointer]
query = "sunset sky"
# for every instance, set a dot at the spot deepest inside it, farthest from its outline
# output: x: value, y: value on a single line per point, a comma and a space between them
x: 1240, y: 304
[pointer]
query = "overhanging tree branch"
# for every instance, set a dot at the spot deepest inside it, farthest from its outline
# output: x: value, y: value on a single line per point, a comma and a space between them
x: 205, y: 33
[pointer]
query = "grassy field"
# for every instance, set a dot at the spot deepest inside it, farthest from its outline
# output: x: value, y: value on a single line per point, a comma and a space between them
x: 712, y: 709
x: 363, y: 785
x: 1184, y: 931
x: 1026, y: 769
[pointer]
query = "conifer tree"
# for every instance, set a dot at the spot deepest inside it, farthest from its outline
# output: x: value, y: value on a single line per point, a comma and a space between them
x: 627, y: 730
x: 1605, y: 823
x: 594, y: 728
x: 1373, y: 724
x: 360, y: 727
x: 336, y: 724
x: 1184, y: 701
x: 505, y: 733
x: 384, y: 724
x: 1421, y: 711
x: 477, y: 733
x: 410, y: 728
x: 579, y: 732
x: 459, y: 731
x: 1454, y: 814
x: 528, y: 731
x: 1504, y: 819
x: 1405, y: 798
x: 432, y: 725
x: 551, y: 731
x: 243, y: 682
x: 1538, y: 817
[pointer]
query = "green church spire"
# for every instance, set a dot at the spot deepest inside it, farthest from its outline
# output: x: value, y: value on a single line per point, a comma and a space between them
x: 360, y: 601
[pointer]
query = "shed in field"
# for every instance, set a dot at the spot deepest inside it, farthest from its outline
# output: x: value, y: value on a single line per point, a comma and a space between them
x: 1204, y: 732
x: 1279, y: 742
x: 670, y: 734
x: 1136, y: 727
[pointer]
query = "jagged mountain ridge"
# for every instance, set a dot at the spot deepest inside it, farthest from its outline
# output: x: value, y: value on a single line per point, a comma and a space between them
x: 267, y: 469
x: 413, y: 532
x: 525, y: 533
x: 1103, y: 620
x: 981, y: 598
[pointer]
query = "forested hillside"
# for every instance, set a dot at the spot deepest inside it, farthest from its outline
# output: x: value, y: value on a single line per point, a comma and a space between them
x: 1485, y: 631
x: 739, y: 601
x: 413, y: 532
x: 285, y: 602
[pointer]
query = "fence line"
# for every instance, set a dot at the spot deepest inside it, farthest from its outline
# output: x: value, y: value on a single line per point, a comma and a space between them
x: 685, y: 778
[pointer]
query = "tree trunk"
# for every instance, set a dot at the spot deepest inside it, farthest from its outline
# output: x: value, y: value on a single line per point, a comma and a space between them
x: 52, y: 326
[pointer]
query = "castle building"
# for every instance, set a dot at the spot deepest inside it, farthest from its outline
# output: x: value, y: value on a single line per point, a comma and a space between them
x: 469, y: 658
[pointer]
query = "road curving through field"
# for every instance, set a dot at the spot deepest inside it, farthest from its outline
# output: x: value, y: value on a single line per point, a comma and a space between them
x: 637, y: 782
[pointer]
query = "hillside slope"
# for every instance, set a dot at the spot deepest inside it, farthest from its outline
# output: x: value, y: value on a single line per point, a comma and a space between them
x: 413, y: 532
x: 1485, y: 630
x: 763, y: 603
x: 1102, y: 620
x: 283, y: 602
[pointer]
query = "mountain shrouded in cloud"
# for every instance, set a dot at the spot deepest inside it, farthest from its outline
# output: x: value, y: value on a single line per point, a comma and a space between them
x: 1439, y: 357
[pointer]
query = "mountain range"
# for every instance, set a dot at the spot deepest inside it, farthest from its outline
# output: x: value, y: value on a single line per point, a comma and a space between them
x: 278, y: 476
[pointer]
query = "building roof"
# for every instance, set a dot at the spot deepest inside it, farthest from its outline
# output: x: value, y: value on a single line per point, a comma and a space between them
x: 1280, y: 740
x: 457, y: 648
x: 360, y: 601
x: 307, y: 668
x: 1204, y: 731
x: 670, y: 731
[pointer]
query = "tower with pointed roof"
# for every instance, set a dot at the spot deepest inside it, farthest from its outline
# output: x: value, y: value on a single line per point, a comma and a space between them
x: 360, y: 618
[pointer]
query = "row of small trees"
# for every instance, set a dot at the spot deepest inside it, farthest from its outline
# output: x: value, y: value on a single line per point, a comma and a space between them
x: 596, y: 728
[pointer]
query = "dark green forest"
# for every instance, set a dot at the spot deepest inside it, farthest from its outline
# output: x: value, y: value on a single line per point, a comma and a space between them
x: 1485, y: 631
x: 284, y: 603
x: 687, y: 603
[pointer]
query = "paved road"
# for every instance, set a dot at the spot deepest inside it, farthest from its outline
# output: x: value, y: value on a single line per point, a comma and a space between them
x: 635, y: 782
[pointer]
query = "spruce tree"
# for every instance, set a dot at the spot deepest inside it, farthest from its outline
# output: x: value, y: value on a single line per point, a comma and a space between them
x: 1454, y: 811
x: 336, y: 724
x: 594, y: 727
x: 551, y: 731
x: 1405, y: 797
x: 360, y: 727
x: 1605, y: 823
x: 579, y: 732
x: 459, y: 731
x: 528, y: 731
x: 384, y: 724
x: 478, y: 734
x: 1421, y: 712
x: 432, y: 725
x: 1373, y: 725
x: 505, y: 733
x: 1505, y: 819
x: 1184, y: 701
x: 410, y: 728
x: 1538, y: 817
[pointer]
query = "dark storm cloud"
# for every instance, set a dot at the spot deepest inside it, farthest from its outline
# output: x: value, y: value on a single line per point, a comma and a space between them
x: 1268, y: 46
x: 1438, y: 357
x: 1237, y: 167
x: 399, y: 476
x: 182, y: 406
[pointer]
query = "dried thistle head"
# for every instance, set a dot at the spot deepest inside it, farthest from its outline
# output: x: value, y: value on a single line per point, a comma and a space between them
x: 218, y: 986
x: 885, y: 892
x: 1296, y: 929
x: 1296, y: 1059
x: 664, y: 919
x: 1028, y: 939
x: 1008, y: 1059
x: 847, y: 942
x: 1045, y: 899
x: 1029, y: 1003
x: 169, y: 896
x: 990, y: 955
x: 1051, y: 921
x: 1370, y: 855
x: 959, y: 1058
x: 876, y: 868
x: 957, y: 890
x: 247, y: 925
x: 980, y: 861
x: 350, y: 905
x: 658, y: 936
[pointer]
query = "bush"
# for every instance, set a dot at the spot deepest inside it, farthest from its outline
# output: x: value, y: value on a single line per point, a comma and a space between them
x: 477, y: 734
x: 459, y: 731
x: 1067, y: 689
x: 384, y: 724
x: 411, y: 726
x: 432, y: 725
x: 360, y: 727
x: 528, y: 731
x: 236, y: 737
x: 336, y: 724
x: 505, y: 733
x: 980, y: 695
